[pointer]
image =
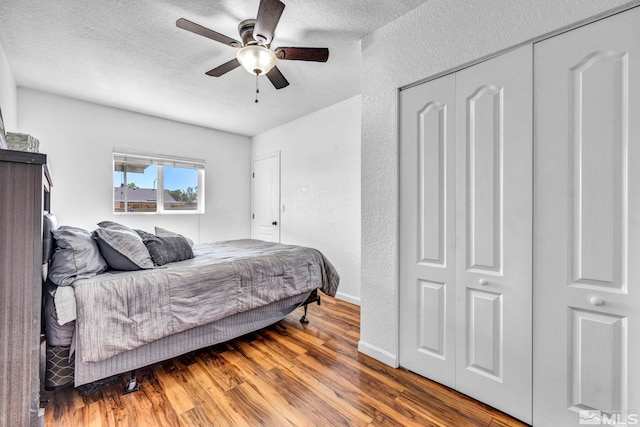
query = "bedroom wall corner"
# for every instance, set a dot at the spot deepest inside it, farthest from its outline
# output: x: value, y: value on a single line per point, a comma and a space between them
x: 8, y: 94
x: 79, y: 137
x: 320, y: 186
x: 433, y: 38
x: 379, y: 354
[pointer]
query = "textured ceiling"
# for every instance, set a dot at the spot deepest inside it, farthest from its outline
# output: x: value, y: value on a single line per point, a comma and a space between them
x: 131, y: 55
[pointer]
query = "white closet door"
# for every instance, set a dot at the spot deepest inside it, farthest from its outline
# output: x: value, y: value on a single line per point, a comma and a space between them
x: 465, y: 169
x: 427, y: 230
x: 494, y: 232
x: 587, y: 224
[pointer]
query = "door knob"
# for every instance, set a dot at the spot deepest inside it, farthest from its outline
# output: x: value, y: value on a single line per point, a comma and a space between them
x: 274, y: 223
x: 597, y: 301
x: 483, y: 282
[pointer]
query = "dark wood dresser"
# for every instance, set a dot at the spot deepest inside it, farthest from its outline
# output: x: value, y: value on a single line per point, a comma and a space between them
x: 24, y: 195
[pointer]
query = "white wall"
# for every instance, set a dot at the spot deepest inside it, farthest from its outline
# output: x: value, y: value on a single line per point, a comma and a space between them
x: 79, y: 137
x: 8, y: 100
x: 320, y: 186
x: 438, y: 36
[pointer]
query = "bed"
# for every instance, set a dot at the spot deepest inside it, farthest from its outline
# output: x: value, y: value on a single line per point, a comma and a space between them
x: 101, y: 322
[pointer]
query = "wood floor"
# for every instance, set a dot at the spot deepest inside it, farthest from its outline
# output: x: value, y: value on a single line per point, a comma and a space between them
x: 285, y: 375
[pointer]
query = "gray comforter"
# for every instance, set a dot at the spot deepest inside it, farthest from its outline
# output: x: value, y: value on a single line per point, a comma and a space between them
x: 119, y: 311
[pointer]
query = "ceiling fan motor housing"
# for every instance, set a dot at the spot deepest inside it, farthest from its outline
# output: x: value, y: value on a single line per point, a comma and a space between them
x: 245, y: 28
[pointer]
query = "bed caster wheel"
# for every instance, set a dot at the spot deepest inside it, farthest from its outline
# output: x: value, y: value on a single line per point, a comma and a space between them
x: 313, y: 297
x: 132, y: 386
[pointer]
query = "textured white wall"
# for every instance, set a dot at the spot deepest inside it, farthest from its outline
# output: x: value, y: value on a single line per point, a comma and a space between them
x: 79, y: 137
x: 320, y: 186
x: 440, y: 35
x: 8, y: 99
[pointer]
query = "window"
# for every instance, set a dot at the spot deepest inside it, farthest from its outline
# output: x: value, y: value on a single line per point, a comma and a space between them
x: 145, y: 183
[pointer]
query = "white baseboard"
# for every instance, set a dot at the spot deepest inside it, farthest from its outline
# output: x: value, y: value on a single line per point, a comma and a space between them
x: 348, y: 298
x: 378, y: 354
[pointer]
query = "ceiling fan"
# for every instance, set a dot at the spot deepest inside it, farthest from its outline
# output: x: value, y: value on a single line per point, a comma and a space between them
x: 254, y: 53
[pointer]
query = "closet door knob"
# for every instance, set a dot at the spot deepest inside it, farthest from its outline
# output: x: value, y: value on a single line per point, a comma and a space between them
x: 483, y: 282
x: 597, y: 301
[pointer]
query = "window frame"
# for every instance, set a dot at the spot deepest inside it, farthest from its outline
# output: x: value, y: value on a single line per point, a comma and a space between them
x: 160, y: 161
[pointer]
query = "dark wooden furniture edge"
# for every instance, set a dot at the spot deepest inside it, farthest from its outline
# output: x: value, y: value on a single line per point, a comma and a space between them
x: 28, y: 158
x: 23, y: 157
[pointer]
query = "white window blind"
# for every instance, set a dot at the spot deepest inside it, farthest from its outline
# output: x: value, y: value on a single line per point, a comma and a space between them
x: 134, y: 159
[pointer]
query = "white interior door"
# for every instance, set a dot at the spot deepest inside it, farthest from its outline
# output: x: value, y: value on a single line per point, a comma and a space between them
x: 427, y: 230
x: 265, y: 224
x: 466, y: 231
x: 494, y: 232
x: 587, y: 225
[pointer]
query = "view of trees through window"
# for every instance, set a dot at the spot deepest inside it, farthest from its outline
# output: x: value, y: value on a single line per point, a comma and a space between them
x: 182, y: 186
x: 140, y: 186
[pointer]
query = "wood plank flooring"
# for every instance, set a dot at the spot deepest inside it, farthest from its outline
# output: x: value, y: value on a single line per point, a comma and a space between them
x: 285, y: 375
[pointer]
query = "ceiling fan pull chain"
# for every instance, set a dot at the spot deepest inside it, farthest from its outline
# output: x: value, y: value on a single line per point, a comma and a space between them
x: 257, y: 90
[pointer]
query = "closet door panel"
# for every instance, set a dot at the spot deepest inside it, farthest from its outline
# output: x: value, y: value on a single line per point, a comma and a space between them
x: 494, y: 232
x: 427, y: 221
x: 597, y: 374
x: 431, y: 183
x: 587, y: 201
x: 483, y: 163
x: 598, y: 112
x: 484, y: 333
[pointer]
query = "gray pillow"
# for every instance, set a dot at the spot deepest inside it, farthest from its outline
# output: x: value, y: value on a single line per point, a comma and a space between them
x: 122, y: 249
x: 168, y: 249
x: 114, y: 226
x: 76, y: 256
x: 161, y: 232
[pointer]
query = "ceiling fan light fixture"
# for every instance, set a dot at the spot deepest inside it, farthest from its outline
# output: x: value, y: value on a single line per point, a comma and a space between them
x: 256, y: 59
